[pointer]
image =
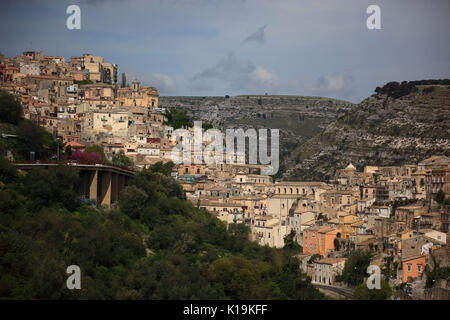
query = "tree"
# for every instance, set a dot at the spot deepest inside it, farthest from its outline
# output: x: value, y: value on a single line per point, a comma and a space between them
x: 337, y: 245
x: 10, y: 108
x: 290, y: 243
x: 68, y: 151
x: 322, y: 217
x: 375, y: 177
x: 31, y: 137
x: 98, y: 149
x: 164, y: 168
x: 82, y: 82
x: 177, y: 118
x: 132, y: 201
x: 314, y: 257
x: 355, y: 267
x: 86, y: 157
x: 124, y: 80
x: 45, y: 187
x: 362, y: 292
x: 207, y: 126
x: 240, y: 231
x: 8, y: 172
x: 121, y: 159
x: 440, y: 197
x: 237, y: 276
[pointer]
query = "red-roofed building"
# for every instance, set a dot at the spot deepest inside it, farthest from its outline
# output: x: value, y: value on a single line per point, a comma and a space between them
x: 76, y: 146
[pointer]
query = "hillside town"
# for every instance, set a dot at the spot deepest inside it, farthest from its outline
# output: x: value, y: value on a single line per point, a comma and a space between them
x: 398, y: 213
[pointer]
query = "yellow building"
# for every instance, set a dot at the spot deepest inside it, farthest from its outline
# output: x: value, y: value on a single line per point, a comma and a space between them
x: 349, y: 225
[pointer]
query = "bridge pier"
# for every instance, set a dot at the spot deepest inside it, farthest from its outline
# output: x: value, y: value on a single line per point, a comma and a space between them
x: 93, y: 184
x: 101, y: 183
x: 114, y: 187
x: 104, y: 192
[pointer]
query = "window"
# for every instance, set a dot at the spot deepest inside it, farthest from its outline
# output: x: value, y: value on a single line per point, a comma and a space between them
x: 419, y: 268
x: 409, y: 267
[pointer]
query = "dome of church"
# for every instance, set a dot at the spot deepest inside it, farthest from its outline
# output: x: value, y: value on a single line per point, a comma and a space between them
x: 350, y: 167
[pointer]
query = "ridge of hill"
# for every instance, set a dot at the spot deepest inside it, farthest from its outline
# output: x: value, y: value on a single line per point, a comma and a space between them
x: 391, y: 127
x: 298, y: 118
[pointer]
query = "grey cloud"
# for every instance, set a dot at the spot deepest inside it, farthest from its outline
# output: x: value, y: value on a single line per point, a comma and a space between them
x: 335, y: 84
x: 163, y: 82
x: 228, y: 68
x: 238, y: 74
x: 257, y: 36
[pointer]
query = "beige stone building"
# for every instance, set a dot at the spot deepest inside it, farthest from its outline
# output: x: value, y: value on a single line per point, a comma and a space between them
x: 326, y: 270
x: 138, y: 96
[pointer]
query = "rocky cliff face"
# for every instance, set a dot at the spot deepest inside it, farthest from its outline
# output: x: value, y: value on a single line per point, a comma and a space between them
x: 298, y: 118
x: 319, y: 135
x: 381, y: 130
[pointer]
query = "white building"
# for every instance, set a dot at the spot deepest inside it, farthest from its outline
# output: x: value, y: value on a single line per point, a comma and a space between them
x: 326, y: 270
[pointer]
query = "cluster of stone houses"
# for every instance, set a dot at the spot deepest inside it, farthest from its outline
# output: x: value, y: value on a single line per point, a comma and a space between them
x: 389, y: 211
x: 80, y: 101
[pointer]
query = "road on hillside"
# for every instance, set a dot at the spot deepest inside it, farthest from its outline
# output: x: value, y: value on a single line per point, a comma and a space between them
x: 346, y: 292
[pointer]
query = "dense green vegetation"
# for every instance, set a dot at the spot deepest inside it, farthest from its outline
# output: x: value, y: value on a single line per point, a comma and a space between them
x: 11, y: 110
x: 97, y: 149
x: 81, y: 82
x: 121, y: 159
x: 153, y: 245
x: 177, y: 118
x: 355, y: 274
x: 435, y: 273
x: 396, y: 90
x: 364, y: 293
x: 26, y: 135
x: 355, y: 267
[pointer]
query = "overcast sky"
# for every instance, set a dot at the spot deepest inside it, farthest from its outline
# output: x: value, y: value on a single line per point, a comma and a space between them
x: 219, y: 47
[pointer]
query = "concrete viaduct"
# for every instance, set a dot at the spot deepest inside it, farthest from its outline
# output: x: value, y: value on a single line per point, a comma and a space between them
x: 99, y: 182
